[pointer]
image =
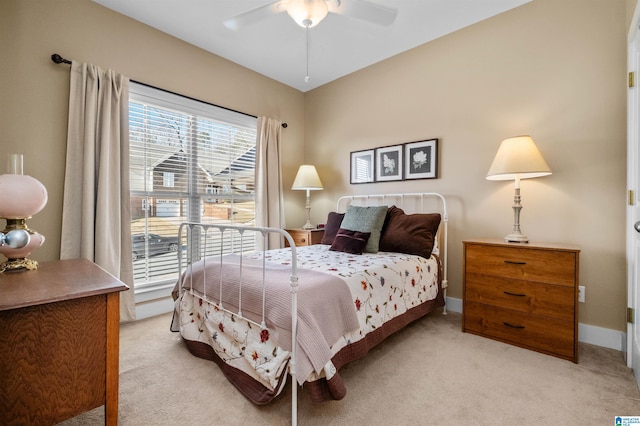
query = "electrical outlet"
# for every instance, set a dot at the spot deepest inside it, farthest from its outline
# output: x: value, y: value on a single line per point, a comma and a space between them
x: 581, y: 294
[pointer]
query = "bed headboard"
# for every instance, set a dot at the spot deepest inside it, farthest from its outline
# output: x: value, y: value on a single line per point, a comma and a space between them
x: 412, y: 202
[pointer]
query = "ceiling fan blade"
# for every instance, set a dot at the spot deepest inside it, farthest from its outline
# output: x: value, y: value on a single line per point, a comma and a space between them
x: 252, y: 16
x: 364, y: 11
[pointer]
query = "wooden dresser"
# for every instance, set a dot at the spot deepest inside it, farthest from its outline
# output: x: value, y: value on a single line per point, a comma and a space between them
x: 522, y: 294
x: 305, y: 237
x: 59, y: 342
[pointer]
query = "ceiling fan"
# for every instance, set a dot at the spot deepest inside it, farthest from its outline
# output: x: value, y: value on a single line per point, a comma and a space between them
x: 309, y: 13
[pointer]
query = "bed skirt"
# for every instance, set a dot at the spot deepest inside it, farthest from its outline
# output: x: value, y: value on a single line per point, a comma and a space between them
x: 319, y: 390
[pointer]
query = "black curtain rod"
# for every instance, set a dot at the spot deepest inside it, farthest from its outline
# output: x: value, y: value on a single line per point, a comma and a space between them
x: 60, y: 60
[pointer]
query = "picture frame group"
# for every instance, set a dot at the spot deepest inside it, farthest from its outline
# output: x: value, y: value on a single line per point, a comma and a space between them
x: 407, y: 161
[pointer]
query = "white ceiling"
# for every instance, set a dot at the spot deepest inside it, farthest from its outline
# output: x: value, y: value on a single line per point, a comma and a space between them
x: 276, y: 46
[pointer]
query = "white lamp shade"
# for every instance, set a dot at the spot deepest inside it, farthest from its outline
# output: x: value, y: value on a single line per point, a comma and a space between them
x: 21, y: 196
x: 307, y: 13
x: 307, y: 178
x: 518, y: 158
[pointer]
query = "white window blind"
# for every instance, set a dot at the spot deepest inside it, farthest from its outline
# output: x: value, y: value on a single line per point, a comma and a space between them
x: 189, y: 161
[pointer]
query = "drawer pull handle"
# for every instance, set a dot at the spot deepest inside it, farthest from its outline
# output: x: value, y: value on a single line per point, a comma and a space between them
x: 513, y: 326
x: 513, y: 262
x: 514, y: 294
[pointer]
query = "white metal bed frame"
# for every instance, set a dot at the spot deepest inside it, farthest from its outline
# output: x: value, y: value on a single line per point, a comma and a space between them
x: 193, y: 251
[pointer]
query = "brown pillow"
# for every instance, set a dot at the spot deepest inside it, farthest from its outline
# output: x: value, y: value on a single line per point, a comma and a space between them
x: 348, y: 241
x: 331, y: 227
x: 409, y: 233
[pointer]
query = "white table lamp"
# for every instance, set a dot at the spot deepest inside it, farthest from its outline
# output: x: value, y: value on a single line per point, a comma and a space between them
x: 307, y: 179
x: 518, y: 158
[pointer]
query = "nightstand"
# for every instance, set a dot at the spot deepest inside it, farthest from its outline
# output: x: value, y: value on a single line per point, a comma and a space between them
x: 59, y: 342
x: 305, y: 237
x: 522, y: 294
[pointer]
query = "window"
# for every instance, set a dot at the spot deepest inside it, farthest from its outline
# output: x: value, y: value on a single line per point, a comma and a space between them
x: 168, y: 179
x: 189, y: 161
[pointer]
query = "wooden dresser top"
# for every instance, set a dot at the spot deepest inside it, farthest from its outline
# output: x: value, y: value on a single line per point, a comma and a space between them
x: 531, y: 245
x: 55, y: 281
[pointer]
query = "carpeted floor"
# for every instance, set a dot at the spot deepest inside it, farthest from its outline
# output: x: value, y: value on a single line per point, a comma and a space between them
x: 430, y: 373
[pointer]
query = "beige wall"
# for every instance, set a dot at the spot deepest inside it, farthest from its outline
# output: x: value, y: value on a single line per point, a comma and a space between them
x: 554, y: 69
x: 35, y: 91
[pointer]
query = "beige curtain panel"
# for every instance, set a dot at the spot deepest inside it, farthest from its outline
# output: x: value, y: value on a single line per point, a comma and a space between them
x: 96, y: 217
x: 269, y: 197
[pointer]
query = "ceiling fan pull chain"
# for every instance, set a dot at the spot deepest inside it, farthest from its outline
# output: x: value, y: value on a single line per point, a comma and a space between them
x: 307, y: 23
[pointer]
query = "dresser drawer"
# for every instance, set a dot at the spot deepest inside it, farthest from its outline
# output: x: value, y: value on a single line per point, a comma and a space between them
x: 535, y: 332
x: 556, y: 301
x: 553, y: 267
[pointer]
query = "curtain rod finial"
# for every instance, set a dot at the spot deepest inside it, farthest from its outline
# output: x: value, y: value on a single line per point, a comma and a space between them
x: 59, y: 59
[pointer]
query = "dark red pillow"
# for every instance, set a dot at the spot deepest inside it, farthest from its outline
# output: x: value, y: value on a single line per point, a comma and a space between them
x: 409, y: 233
x: 331, y: 227
x: 352, y: 242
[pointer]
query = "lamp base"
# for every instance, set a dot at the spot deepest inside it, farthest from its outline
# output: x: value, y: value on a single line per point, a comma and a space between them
x: 17, y: 257
x: 516, y: 237
x: 307, y: 214
x: 18, y: 265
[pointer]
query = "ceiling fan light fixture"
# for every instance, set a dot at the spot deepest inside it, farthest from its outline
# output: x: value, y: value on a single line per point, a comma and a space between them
x: 307, y: 13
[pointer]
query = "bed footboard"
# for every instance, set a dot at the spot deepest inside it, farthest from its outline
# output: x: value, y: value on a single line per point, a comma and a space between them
x: 210, y: 243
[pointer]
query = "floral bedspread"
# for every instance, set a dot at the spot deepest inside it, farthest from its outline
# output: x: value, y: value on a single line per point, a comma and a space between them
x: 382, y: 285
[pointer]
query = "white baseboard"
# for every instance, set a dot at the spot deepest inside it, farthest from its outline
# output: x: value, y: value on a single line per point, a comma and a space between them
x: 454, y: 305
x: 152, y: 308
x: 591, y: 334
x: 605, y: 337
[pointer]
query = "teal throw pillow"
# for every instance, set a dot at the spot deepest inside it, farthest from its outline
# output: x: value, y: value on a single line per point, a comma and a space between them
x: 366, y: 219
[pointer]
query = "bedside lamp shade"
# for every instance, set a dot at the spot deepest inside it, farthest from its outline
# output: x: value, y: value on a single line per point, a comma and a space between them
x: 307, y: 179
x: 518, y: 158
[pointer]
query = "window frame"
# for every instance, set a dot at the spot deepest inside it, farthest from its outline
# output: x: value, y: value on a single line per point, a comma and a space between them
x: 140, y: 93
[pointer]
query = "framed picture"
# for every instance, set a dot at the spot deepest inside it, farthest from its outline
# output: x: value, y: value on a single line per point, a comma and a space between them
x: 421, y: 159
x: 362, y: 166
x: 389, y: 163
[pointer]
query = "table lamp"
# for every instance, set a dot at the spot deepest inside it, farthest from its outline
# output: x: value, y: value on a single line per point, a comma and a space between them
x: 21, y: 197
x: 518, y: 158
x: 307, y: 179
